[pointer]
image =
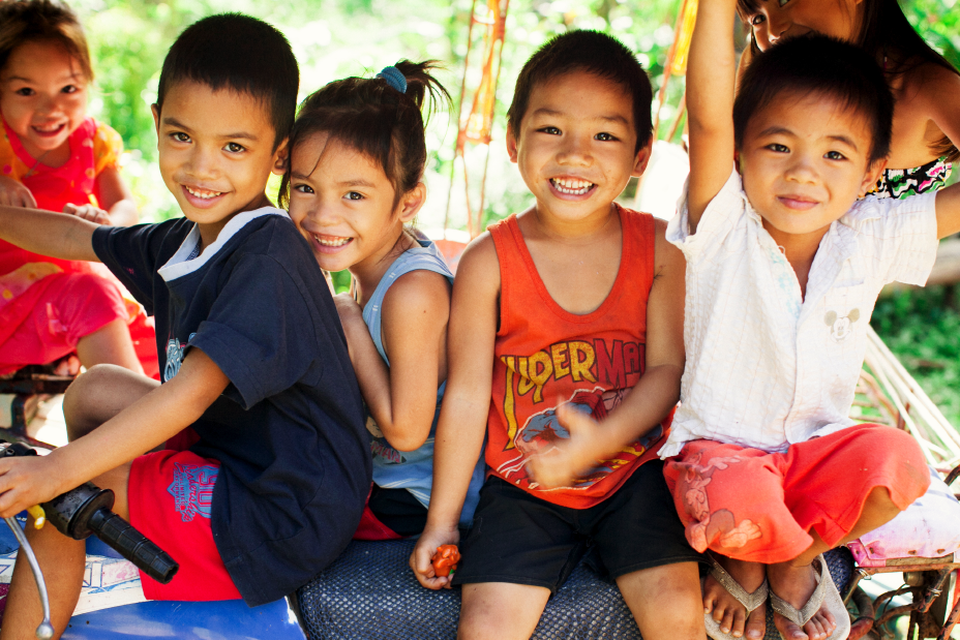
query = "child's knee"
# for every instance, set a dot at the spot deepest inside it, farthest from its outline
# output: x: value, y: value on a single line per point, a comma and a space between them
x: 499, y: 611
x: 670, y: 584
x: 99, y: 394
x: 900, y: 455
x: 666, y: 601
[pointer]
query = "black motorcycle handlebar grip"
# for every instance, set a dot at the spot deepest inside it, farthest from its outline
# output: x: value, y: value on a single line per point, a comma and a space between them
x: 133, y: 545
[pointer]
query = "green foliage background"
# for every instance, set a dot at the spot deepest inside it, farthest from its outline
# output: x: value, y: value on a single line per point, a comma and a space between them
x: 337, y: 38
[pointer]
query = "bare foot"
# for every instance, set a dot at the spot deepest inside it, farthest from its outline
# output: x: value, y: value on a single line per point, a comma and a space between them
x: 795, y: 585
x: 726, y: 609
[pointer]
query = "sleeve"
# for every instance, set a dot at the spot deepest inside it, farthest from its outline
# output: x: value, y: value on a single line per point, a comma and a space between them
x: 107, y: 148
x: 260, y: 330
x: 720, y: 218
x: 10, y: 165
x: 902, y: 234
x: 132, y: 255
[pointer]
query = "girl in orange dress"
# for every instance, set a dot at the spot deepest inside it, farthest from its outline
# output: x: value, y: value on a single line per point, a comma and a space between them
x: 52, y: 156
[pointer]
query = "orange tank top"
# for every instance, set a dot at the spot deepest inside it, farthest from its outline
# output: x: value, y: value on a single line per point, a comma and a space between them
x: 546, y: 356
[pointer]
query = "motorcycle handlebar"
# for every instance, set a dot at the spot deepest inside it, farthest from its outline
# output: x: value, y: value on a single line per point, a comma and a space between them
x: 86, y: 510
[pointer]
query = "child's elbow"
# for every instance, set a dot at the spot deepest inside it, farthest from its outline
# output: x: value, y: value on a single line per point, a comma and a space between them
x: 407, y: 442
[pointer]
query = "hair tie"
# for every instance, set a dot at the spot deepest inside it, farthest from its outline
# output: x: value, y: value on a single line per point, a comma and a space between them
x: 394, y: 78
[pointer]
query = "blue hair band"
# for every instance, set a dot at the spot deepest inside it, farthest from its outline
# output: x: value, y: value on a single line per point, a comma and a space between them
x: 394, y: 78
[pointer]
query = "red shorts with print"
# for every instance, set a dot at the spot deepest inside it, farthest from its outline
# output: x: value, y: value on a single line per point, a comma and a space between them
x: 170, y: 496
x: 760, y: 507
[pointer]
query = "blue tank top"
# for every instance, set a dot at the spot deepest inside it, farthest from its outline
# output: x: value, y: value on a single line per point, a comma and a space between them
x: 411, y: 470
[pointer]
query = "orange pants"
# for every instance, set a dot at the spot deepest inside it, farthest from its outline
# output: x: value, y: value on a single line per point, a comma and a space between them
x: 760, y: 507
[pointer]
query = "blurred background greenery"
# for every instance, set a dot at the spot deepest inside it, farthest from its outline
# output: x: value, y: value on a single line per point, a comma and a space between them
x: 337, y: 38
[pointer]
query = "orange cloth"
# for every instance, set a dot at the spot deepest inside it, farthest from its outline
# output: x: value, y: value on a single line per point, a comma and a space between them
x: 546, y: 356
x: 757, y: 506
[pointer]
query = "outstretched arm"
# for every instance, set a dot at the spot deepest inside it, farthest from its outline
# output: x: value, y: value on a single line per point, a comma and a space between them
x: 463, y: 416
x: 648, y: 402
x: 710, y: 91
x: 50, y: 234
x: 403, y: 398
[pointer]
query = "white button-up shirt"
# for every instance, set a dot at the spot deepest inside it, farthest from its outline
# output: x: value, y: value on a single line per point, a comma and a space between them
x: 765, y: 366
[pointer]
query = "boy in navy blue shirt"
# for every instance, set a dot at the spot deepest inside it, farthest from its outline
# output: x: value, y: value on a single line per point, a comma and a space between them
x: 265, y: 480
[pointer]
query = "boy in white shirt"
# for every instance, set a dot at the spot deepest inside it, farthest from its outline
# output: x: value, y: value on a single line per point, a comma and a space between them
x: 784, y: 265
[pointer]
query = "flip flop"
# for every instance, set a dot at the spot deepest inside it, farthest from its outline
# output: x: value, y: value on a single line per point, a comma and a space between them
x: 749, y: 600
x: 825, y: 595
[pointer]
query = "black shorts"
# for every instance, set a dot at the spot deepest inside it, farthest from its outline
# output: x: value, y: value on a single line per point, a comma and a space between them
x: 398, y: 510
x: 521, y: 539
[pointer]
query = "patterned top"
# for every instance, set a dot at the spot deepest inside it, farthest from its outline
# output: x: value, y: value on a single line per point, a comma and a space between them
x: 93, y: 147
x: 767, y: 366
x: 901, y: 183
x: 546, y: 356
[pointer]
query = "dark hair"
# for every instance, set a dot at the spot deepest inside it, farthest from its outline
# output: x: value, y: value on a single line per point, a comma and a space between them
x: 240, y: 53
x: 593, y: 52
x: 887, y: 37
x: 818, y: 65
x: 376, y: 119
x: 42, y: 21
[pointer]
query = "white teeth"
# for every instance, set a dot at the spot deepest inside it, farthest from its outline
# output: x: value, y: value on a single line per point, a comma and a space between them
x: 571, y: 186
x: 331, y: 242
x: 203, y: 194
x: 50, y: 128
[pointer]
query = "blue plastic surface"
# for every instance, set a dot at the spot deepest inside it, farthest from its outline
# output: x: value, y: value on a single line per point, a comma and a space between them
x: 187, y: 621
x: 220, y: 620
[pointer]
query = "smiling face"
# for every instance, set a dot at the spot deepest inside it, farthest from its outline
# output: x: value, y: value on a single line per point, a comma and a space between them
x: 343, y: 203
x: 216, y: 153
x: 775, y: 20
x: 576, y: 148
x: 43, y: 97
x: 804, y: 161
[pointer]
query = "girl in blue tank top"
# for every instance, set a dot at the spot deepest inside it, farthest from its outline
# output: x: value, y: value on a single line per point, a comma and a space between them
x: 355, y: 178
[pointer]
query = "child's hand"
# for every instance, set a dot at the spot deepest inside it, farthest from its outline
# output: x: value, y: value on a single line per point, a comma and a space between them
x: 14, y: 194
x: 88, y: 212
x: 421, y: 560
x: 25, y: 482
x: 571, y: 457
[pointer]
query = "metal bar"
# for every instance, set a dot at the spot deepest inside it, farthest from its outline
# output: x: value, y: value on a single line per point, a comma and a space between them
x: 45, y: 630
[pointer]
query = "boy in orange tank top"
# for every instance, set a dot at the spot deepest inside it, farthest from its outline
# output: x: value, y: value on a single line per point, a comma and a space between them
x: 566, y: 350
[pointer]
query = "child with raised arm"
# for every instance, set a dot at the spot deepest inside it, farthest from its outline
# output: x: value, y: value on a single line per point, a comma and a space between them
x: 252, y: 355
x: 357, y: 155
x: 566, y: 350
x: 53, y: 156
x: 784, y: 265
x: 925, y: 86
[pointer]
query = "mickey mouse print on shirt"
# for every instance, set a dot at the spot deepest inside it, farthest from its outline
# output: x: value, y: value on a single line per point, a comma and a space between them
x: 841, y: 326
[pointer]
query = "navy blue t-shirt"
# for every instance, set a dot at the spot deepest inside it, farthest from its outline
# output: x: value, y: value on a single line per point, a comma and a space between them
x: 288, y: 430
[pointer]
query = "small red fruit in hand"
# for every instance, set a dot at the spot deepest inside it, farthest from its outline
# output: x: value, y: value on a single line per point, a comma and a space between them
x: 445, y: 559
